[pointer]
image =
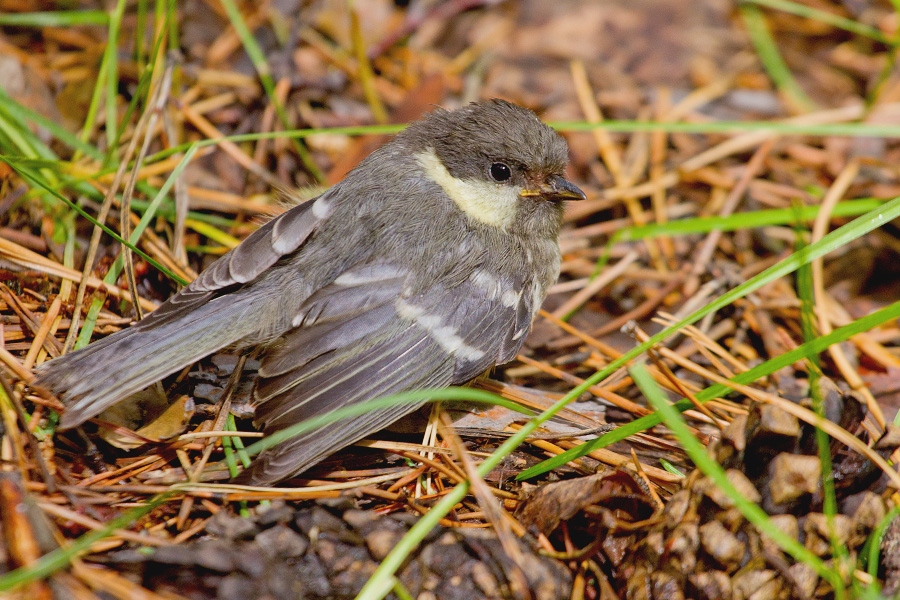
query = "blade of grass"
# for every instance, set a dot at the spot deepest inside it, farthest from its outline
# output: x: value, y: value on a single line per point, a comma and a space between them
x: 776, y: 127
x: 24, y: 114
x: 111, y: 60
x: 808, y: 325
x: 238, y: 443
x: 834, y: 129
x: 815, y: 14
x: 90, y: 119
x: 60, y: 18
x: 19, y: 140
x: 146, y: 78
x: 59, y: 559
x: 14, y: 137
x: 835, y: 239
x: 874, y: 542
x: 744, y: 220
x: 64, y: 169
x: 90, y: 321
x: 36, y: 180
x: 170, y: 24
x: 216, y: 235
x: 258, y: 58
x: 735, y: 222
x: 417, y: 396
x: 623, y: 126
x: 366, y: 73
x: 751, y: 511
x: 801, y: 352
x: 417, y: 533
x: 768, y: 53
x: 140, y: 29
x: 166, y: 209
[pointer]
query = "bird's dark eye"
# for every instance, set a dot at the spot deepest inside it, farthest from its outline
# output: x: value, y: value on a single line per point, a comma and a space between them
x: 500, y: 172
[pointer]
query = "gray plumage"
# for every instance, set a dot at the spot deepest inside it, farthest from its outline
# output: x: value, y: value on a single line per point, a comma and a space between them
x: 387, y: 282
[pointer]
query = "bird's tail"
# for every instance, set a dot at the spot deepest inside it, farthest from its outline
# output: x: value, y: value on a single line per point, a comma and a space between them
x: 94, y: 378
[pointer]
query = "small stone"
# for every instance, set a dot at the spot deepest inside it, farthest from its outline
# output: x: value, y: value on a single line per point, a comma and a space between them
x: 890, y: 440
x: 792, y: 476
x: 616, y: 547
x: 730, y: 450
x: 654, y: 545
x: 683, y: 543
x: 485, y: 581
x: 678, y: 505
x: 638, y: 586
x: 868, y: 514
x: 665, y: 585
x: 209, y: 392
x: 230, y: 527
x: 282, y: 541
x: 710, y: 585
x: 236, y: 586
x: 736, y: 433
x: 890, y: 558
x: 277, y: 513
x: 819, y: 534
x: 361, y: 519
x: 753, y: 583
x: 722, y: 545
x: 225, y: 363
x: 767, y: 591
x: 381, y: 541
x: 788, y: 525
x: 805, y: 579
x: 777, y: 421
x: 743, y: 485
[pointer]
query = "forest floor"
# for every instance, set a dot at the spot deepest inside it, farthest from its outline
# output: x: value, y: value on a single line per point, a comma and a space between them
x: 726, y: 318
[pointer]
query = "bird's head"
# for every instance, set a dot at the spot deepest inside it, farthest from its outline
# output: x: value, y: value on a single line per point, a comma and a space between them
x: 498, y: 162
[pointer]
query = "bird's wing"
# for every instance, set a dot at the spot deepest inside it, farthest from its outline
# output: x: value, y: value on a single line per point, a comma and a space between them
x: 189, y: 326
x: 360, y: 338
x: 263, y: 248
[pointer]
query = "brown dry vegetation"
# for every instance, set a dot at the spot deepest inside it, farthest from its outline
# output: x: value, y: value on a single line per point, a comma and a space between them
x: 620, y: 522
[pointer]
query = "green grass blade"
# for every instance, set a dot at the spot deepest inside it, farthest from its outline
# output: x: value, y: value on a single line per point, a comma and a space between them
x: 768, y: 53
x: 111, y: 61
x: 417, y: 533
x: 258, y: 58
x: 743, y: 220
x: 620, y: 126
x: 90, y: 321
x: 61, y: 558
x: 810, y: 330
x: 812, y: 348
x: 417, y: 396
x: 24, y: 114
x: 751, y: 511
x: 835, y: 239
x: 815, y: 14
x: 61, y: 18
x: 36, y: 180
x: 874, y: 542
x: 143, y: 87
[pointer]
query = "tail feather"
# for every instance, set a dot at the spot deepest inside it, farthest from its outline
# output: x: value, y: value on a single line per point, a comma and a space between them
x: 94, y: 378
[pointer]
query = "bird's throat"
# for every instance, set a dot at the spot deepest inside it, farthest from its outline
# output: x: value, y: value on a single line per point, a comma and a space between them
x: 483, y: 201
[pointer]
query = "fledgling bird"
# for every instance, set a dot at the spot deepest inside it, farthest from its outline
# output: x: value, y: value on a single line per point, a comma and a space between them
x: 423, y: 268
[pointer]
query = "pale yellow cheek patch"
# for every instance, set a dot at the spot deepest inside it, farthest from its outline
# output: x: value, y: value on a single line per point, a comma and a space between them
x: 484, y: 201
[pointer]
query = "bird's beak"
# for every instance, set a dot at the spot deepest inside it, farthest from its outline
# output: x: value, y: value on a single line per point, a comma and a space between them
x: 556, y: 188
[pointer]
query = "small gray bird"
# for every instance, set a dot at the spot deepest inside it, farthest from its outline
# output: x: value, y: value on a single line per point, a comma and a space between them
x: 423, y: 268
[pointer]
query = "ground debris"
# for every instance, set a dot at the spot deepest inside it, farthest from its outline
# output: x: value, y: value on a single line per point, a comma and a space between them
x: 676, y: 66
x: 703, y: 547
x: 329, y: 550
